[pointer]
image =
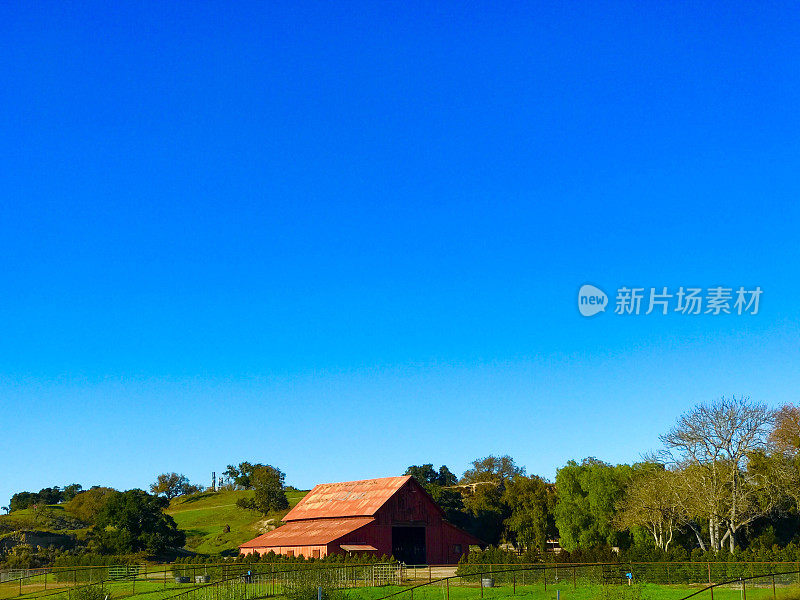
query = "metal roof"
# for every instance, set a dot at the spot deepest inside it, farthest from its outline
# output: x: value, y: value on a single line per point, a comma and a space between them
x: 358, y: 548
x: 308, y: 533
x: 346, y: 499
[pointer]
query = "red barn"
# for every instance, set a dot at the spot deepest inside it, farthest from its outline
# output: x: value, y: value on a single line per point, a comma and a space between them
x: 394, y: 516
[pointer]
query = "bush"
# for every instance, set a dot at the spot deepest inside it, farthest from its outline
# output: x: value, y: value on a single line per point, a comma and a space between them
x: 91, y: 592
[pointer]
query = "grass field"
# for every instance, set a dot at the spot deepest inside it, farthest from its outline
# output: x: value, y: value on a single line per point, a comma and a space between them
x: 204, y: 517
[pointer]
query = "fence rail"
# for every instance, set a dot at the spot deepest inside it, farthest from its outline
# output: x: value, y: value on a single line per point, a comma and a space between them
x: 244, y: 581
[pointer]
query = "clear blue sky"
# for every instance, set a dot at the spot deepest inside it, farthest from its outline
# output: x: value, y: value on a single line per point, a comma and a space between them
x: 344, y: 238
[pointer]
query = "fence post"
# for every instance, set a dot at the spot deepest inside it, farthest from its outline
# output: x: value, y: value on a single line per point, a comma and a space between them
x: 773, y: 586
x: 744, y: 590
x: 514, y: 576
x: 711, y: 588
x: 481, y: 579
x: 574, y: 585
x: 448, y: 588
x: 544, y: 576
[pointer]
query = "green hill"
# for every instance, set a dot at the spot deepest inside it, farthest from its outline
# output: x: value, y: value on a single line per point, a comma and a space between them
x: 205, y: 516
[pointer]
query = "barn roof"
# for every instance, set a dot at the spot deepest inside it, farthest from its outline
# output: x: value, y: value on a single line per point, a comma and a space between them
x: 346, y: 499
x: 308, y: 533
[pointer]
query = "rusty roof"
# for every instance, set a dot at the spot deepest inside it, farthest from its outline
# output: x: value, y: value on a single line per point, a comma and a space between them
x: 346, y: 499
x: 308, y: 533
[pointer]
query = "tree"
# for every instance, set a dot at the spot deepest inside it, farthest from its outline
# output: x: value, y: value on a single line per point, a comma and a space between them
x: 784, y: 440
x: 492, y: 469
x: 267, y: 481
x: 785, y: 435
x: 483, y: 487
x: 241, y: 475
x: 586, y: 505
x: 531, y: 501
x: 428, y: 476
x: 133, y: 521
x: 170, y: 484
x: 425, y: 474
x: 22, y: 500
x: 652, y: 500
x: 88, y: 504
x: 437, y: 484
x: 70, y: 491
x: 711, y: 445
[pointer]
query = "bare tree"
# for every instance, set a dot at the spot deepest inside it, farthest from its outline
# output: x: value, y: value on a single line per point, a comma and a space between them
x: 784, y: 441
x: 711, y: 445
x: 652, y: 501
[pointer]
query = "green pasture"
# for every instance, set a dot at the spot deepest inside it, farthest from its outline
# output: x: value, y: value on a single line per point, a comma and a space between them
x: 204, y: 517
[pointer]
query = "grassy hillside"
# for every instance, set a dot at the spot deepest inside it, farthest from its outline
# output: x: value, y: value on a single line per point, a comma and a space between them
x: 204, y: 516
x: 52, y: 518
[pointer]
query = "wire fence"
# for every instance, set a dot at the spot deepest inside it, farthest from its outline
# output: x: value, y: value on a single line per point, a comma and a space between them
x: 610, y: 581
x: 236, y: 579
x: 559, y: 581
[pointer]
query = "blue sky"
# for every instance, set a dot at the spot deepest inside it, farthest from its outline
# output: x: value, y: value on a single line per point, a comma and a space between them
x: 345, y: 238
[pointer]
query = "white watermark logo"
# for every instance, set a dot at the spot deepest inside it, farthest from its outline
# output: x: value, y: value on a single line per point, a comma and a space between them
x: 591, y: 300
x: 662, y: 300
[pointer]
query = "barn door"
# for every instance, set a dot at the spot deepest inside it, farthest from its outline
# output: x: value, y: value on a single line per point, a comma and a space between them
x: 408, y: 545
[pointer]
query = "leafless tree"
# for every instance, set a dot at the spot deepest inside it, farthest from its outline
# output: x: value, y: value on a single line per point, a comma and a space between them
x: 710, y: 446
x: 652, y: 501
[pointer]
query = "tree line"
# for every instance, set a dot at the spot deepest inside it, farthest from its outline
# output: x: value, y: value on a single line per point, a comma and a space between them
x: 727, y: 475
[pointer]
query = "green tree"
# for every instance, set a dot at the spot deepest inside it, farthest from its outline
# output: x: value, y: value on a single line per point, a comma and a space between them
x: 70, y: 491
x: 241, y: 475
x: 133, y: 521
x: 483, y: 488
x: 268, y: 483
x: 88, y: 504
x: 428, y: 476
x: 585, y: 509
x: 531, y: 501
x: 424, y: 474
x: 437, y: 484
x: 22, y: 500
x: 170, y: 484
x: 494, y: 469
